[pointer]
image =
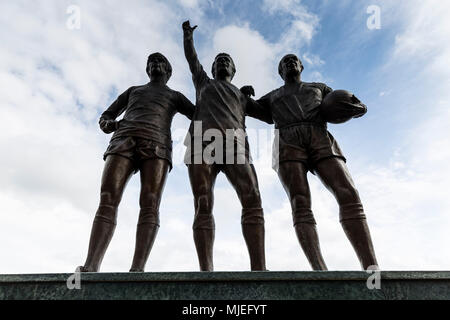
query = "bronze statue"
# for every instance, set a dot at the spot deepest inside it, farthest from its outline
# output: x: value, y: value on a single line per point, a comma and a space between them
x: 305, y: 144
x: 141, y: 142
x: 221, y: 106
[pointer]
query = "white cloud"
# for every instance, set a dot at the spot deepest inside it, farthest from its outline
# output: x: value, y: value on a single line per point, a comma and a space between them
x: 303, y: 24
x: 407, y: 199
x: 427, y: 28
x: 189, y: 3
x: 312, y: 59
x: 253, y: 55
x: 422, y: 45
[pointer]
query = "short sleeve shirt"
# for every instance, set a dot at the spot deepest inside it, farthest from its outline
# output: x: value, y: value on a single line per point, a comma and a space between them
x: 220, y: 105
x: 149, y: 110
x: 296, y: 104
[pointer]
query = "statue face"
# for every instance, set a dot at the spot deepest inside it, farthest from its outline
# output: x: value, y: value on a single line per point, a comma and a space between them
x: 157, y: 66
x: 224, y: 66
x: 291, y: 65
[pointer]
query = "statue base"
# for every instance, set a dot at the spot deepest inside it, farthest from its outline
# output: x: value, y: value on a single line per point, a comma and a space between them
x: 330, y: 285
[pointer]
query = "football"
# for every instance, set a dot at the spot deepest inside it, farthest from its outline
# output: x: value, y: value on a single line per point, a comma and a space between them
x: 340, y: 106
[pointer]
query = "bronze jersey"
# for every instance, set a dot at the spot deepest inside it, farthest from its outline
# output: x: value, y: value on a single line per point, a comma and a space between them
x: 149, y: 110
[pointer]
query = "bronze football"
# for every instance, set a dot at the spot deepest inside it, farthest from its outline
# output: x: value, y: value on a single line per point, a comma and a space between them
x: 340, y: 106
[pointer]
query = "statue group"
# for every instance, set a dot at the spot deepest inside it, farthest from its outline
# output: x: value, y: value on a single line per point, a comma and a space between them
x: 142, y: 143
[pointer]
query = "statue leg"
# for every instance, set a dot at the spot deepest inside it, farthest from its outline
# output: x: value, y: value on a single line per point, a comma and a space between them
x: 293, y: 176
x: 334, y: 174
x: 244, y: 180
x: 153, y: 179
x: 202, y: 178
x: 116, y: 173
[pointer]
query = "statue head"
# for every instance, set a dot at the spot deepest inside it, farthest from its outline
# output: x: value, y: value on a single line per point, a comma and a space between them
x: 290, y: 65
x: 158, y: 65
x: 223, y: 66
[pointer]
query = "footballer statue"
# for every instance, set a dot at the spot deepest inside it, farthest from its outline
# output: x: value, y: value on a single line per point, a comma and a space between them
x: 221, y: 106
x: 300, y: 111
x: 141, y: 142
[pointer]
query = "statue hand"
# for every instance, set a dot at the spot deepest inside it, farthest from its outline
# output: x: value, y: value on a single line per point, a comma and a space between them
x: 248, y: 91
x: 363, y: 112
x: 108, y: 126
x: 187, y: 29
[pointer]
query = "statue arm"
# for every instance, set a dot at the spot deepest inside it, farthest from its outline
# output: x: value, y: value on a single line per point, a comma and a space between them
x: 326, y: 90
x: 198, y: 74
x: 257, y: 109
x: 117, y: 107
x: 185, y: 106
x: 107, y: 119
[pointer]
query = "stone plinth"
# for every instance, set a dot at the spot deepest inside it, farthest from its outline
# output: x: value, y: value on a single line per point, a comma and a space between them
x: 229, y: 286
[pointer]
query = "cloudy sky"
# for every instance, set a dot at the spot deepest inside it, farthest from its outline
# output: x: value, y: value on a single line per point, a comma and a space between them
x: 58, y: 73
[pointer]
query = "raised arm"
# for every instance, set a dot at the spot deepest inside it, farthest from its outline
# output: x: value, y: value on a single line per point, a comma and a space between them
x: 107, y: 120
x: 198, y: 74
x: 189, y: 49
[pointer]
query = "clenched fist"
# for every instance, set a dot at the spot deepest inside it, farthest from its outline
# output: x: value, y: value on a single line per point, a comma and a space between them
x: 108, y: 126
x: 248, y: 91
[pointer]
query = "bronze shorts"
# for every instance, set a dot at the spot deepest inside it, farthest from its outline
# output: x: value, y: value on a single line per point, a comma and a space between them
x: 233, y: 155
x: 138, y: 149
x: 306, y: 142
